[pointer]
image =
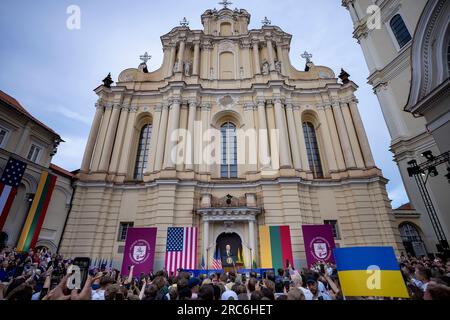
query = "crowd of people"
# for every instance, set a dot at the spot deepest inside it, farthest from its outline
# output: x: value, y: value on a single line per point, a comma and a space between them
x: 41, y: 275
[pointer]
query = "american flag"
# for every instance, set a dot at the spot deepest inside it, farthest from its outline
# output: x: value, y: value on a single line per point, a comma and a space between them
x: 10, y: 180
x: 217, y: 260
x: 181, y: 248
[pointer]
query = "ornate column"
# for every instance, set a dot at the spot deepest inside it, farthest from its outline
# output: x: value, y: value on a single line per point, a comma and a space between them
x: 251, y: 235
x: 171, y: 138
x: 334, y: 137
x: 162, y: 137
x: 394, y: 117
x: 101, y: 138
x: 271, y: 54
x: 328, y: 145
x: 154, y: 140
x: 110, y: 135
x: 273, y: 149
x: 255, y: 43
x: 281, y: 126
x: 171, y: 59
x: 263, y: 142
x: 251, y: 148
x: 181, y: 55
x: 206, y: 60
x: 293, y: 137
x: 189, y: 150
x: 361, y: 132
x: 301, y: 138
x: 196, y: 63
x: 25, y: 136
x: 280, y: 57
x: 352, y: 136
x: 343, y: 136
x: 85, y: 165
x: 127, y: 141
x: 246, y: 57
x: 117, y: 150
x: 205, y: 240
x: 205, y: 109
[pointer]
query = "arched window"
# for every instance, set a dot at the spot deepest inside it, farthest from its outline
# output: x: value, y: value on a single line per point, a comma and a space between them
x: 142, y: 152
x: 412, y: 240
x: 400, y: 31
x: 312, y: 149
x: 228, y: 168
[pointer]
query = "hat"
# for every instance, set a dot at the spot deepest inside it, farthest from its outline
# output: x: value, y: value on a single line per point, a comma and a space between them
x: 229, y: 295
x: 194, y: 282
x: 310, y: 280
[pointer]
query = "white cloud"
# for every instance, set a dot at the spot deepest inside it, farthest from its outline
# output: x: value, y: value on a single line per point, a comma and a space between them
x: 71, y: 114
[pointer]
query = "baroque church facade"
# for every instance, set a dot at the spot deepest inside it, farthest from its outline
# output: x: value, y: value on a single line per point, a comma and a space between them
x: 226, y: 136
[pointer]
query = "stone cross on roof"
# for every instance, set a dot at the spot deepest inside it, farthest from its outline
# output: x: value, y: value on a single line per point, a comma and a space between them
x: 145, y: 57
x: 226, y: 3
x: 266, y: 21
x: 306, y: 55
x: 184, y: 22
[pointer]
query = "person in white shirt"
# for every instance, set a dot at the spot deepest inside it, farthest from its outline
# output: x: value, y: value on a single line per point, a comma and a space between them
x: 298, y: 283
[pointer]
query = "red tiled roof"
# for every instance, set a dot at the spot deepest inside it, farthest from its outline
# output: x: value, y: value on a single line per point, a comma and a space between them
x: 18, y: 107
x: 61, y: 171
x: 406, y: 206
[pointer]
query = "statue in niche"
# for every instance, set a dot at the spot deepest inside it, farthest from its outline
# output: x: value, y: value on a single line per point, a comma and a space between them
x: 265, y: 68
x: 187, y: 68
x: 175, y: 67
x: 278, y: 66
x: 241, y: 72
x: 211, y: 74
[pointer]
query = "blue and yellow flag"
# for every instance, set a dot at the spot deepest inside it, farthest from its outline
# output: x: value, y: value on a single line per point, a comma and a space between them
x: 369, y: 271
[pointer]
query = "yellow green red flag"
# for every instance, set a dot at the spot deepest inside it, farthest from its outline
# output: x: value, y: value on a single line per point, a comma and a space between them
x: 36, y: 214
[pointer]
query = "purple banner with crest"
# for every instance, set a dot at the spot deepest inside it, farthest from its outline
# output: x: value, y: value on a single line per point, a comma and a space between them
x: 319, y: 243
x: 139, y: 250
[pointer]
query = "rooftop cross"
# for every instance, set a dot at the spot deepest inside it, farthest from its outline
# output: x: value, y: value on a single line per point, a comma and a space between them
x: 306, y: 55
x: 145, y: 57
x: 184, y: 22
x: 225, y: 3
x: 266, y: 21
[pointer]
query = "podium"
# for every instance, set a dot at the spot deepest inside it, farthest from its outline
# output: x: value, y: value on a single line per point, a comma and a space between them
x: 236, y: 267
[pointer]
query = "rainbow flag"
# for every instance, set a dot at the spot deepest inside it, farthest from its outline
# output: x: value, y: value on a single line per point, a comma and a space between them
x: 275, y: 246
x: 36, y: 215
x: 369, y: 272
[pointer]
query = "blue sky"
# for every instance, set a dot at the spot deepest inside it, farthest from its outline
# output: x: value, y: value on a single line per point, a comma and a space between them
x: 52, y: 70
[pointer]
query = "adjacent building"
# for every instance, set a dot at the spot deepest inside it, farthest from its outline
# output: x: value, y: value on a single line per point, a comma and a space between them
x: 25, y: 138
x: 406, y: 45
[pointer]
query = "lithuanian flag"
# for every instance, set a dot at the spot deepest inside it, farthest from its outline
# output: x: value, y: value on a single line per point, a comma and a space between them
x: 36, y: 215
x: 275, y: 246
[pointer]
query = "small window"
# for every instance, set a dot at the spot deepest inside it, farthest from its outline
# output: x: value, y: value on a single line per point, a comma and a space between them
x: 34, y: 153
x: 3, y: 137
x: 123, y: 228
x: 334, y: 227
x: 400, y: 31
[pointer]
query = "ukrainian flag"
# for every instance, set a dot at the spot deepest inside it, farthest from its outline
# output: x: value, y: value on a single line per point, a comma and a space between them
x: 369, y: 271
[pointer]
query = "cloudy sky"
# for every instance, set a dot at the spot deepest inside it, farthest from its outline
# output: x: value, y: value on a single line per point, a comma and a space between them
x: 53, y: 70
